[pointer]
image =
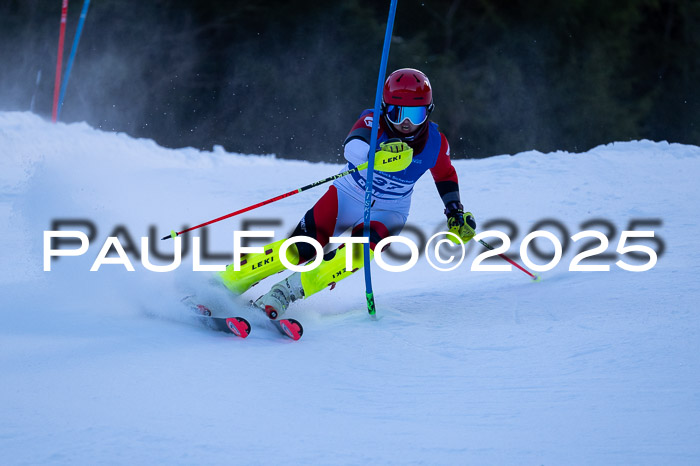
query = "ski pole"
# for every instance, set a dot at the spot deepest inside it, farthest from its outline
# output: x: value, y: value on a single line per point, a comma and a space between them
x: 384, y: 161
x: 506, y: 258
x: 174, y: 234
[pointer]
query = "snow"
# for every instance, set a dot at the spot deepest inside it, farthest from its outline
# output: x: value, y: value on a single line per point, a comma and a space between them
x: 462, y: 367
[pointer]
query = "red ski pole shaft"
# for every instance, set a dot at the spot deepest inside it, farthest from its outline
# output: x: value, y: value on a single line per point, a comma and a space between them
x: 174, y: 234
x: 507, y: 259
x: 232, y: 214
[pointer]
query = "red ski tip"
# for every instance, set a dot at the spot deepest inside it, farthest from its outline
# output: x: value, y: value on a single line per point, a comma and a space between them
x: 238, y: 326
x: 291, y: 328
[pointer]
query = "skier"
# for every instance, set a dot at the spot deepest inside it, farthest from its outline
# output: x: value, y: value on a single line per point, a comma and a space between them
x: 404, y: 125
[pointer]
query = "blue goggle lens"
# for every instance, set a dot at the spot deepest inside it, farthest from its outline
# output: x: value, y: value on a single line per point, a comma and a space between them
x: 397, y: 114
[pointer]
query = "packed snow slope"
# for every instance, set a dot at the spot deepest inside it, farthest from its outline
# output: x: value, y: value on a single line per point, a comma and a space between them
x: 461, y: 367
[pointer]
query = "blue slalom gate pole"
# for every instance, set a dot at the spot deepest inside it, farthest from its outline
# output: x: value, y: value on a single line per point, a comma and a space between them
x: 73, y: 51
x: 372, y: 147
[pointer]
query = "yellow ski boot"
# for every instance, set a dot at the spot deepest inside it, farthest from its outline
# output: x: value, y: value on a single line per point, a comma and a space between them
x: 301, y: 285
x: 256, y: 267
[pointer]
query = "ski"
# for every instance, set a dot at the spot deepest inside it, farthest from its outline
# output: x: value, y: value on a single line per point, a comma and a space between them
x: 235, y: 325
x: 239, y: 326
x: 289, y: 327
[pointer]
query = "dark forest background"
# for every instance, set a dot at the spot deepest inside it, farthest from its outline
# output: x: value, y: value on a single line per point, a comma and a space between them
x: 290, y: 77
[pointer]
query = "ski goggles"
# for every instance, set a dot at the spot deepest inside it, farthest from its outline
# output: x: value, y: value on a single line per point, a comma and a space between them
x: 396, y: 114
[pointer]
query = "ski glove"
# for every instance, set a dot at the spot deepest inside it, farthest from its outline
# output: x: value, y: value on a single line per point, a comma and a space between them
x: 393, y: 155
x: 396, y: 146
x: 460, y: 223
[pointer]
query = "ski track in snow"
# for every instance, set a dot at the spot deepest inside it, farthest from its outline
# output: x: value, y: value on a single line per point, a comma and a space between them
x: 460, y: 368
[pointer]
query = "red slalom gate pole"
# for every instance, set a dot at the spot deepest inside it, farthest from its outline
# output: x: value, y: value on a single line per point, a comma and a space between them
x: 507, y: 259
x: 59, y: 60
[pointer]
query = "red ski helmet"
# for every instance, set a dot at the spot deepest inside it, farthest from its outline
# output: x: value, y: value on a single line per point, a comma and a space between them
x: 408, y: 87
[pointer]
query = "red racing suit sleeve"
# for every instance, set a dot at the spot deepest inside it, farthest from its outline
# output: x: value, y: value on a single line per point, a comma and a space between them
x: 362, y: 128
x: 445, y: 175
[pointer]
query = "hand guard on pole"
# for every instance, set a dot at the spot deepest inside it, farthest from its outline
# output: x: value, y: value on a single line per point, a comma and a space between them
x: 393, y: 153
x: 394, y: 145
x: 460, y: 223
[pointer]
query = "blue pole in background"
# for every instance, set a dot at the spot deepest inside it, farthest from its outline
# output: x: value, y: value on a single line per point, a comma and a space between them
x: 73, y: 51
x: 372, y: 147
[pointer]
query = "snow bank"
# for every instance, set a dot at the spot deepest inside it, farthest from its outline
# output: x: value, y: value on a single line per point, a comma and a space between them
x: 462, y: 367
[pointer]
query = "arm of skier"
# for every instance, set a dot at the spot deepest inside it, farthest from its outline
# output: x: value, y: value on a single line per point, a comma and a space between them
x: 357, y: 142
x: 460, y: 223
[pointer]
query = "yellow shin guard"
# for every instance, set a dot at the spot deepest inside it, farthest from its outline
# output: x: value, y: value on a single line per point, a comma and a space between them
x: 331, y: 271
x: 257, y: 266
